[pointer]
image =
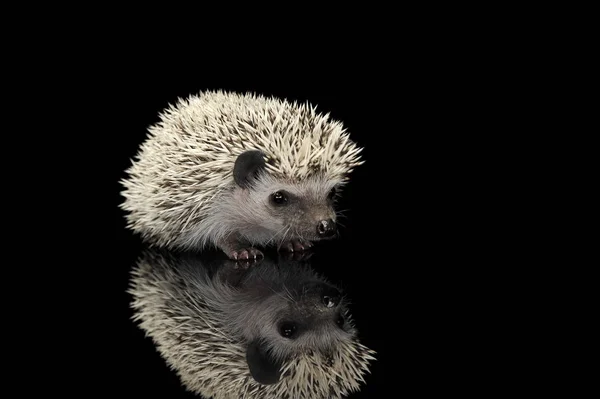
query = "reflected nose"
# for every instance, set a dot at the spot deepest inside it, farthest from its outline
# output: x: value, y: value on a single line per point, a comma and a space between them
x: 330, y: 296
x: 326, y: 228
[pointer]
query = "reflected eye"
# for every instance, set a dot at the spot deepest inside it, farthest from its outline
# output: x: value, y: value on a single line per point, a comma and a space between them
x: 332, y: 194
x: 287, y: 330
x: 279, y: 198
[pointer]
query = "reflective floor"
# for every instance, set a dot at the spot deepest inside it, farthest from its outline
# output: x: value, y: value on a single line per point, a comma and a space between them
x: 287, y: 324
x: 252, y: 329
x: 383, y: 309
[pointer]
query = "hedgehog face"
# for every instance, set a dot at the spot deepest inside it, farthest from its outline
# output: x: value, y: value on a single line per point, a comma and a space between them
x: 313, y: 318
x: 280, y: 209
x: 302, y: 210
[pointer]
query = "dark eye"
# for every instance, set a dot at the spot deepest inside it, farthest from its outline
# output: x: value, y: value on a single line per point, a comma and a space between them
x: 278, y: 198
x: 332, y: 194
x: 339, y: 321
x: 287, y: 330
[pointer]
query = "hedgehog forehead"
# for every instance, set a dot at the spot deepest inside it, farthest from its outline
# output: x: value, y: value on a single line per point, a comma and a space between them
x: 313, y: 187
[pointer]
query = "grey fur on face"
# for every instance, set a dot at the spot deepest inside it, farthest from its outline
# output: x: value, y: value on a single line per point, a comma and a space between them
x: 270, y: 211
x: 289, y: 309
x: 273, y: 330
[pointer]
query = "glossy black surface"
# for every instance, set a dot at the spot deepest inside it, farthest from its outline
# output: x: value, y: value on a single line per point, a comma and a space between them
x: 464, y: 146
x: 399, y: 254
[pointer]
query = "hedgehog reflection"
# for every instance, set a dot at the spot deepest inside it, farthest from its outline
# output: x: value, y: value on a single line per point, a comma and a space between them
x: 251, y: 330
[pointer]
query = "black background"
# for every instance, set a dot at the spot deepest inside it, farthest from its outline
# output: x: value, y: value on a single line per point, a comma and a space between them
x: 395, y: 257
x: 453, y: 107
x: 410, y: 251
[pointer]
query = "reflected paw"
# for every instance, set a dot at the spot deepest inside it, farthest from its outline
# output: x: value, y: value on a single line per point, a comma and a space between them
x: 288, y: 256
x: 246, y: 254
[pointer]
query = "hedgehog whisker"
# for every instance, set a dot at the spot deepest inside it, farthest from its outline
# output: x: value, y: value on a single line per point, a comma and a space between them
x: 288, y: 231
x: 288, y: 293
x: 276, y: 235
x: 281, y: 295
x: 282, y: 240
x: 298, y: 234
x: 342, y: 213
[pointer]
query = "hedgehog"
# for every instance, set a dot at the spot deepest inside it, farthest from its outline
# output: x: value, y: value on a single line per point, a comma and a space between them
x: 238, y: 172
x: 273, y: 330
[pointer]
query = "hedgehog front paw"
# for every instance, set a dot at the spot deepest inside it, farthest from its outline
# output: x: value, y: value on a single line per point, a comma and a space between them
x: 245, y: 253
x: 296, y: 245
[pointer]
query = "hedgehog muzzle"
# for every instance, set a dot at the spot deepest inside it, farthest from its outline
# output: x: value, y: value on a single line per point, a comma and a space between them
x: 326, y: 228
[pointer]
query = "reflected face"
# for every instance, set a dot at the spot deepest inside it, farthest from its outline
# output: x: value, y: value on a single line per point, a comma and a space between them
x: 313, y: 318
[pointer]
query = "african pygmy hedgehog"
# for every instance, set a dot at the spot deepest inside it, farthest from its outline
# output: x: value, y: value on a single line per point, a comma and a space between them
x: 274, y: 330
x: 236, y: 172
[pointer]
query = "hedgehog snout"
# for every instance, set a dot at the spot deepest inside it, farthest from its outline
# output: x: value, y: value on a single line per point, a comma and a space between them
x: 326, y: 228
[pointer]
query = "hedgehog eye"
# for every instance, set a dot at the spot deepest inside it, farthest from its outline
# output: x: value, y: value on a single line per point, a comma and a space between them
x: 332, y: 194
x: 278, y: 198
x: 287, y: 330
x: 339, y: 321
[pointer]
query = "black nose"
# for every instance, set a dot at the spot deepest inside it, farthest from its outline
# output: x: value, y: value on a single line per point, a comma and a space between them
x: 326, y: 228
x: 331, y: 296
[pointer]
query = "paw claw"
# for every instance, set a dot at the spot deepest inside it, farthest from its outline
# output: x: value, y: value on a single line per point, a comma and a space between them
x: 244, y: 264
x: 288, y: 246
x: 246, y: 254
x: 296, y: 246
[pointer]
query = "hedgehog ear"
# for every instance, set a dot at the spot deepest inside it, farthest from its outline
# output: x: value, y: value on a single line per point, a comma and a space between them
x: 265, y: 369
x: 247, y: 166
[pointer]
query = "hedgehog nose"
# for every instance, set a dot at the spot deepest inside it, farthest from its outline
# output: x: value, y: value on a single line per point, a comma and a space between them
x: 331, y: 296
x: 326, y: 228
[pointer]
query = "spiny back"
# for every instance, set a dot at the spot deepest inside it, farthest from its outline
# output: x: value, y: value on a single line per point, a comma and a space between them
x: 299, y: 142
